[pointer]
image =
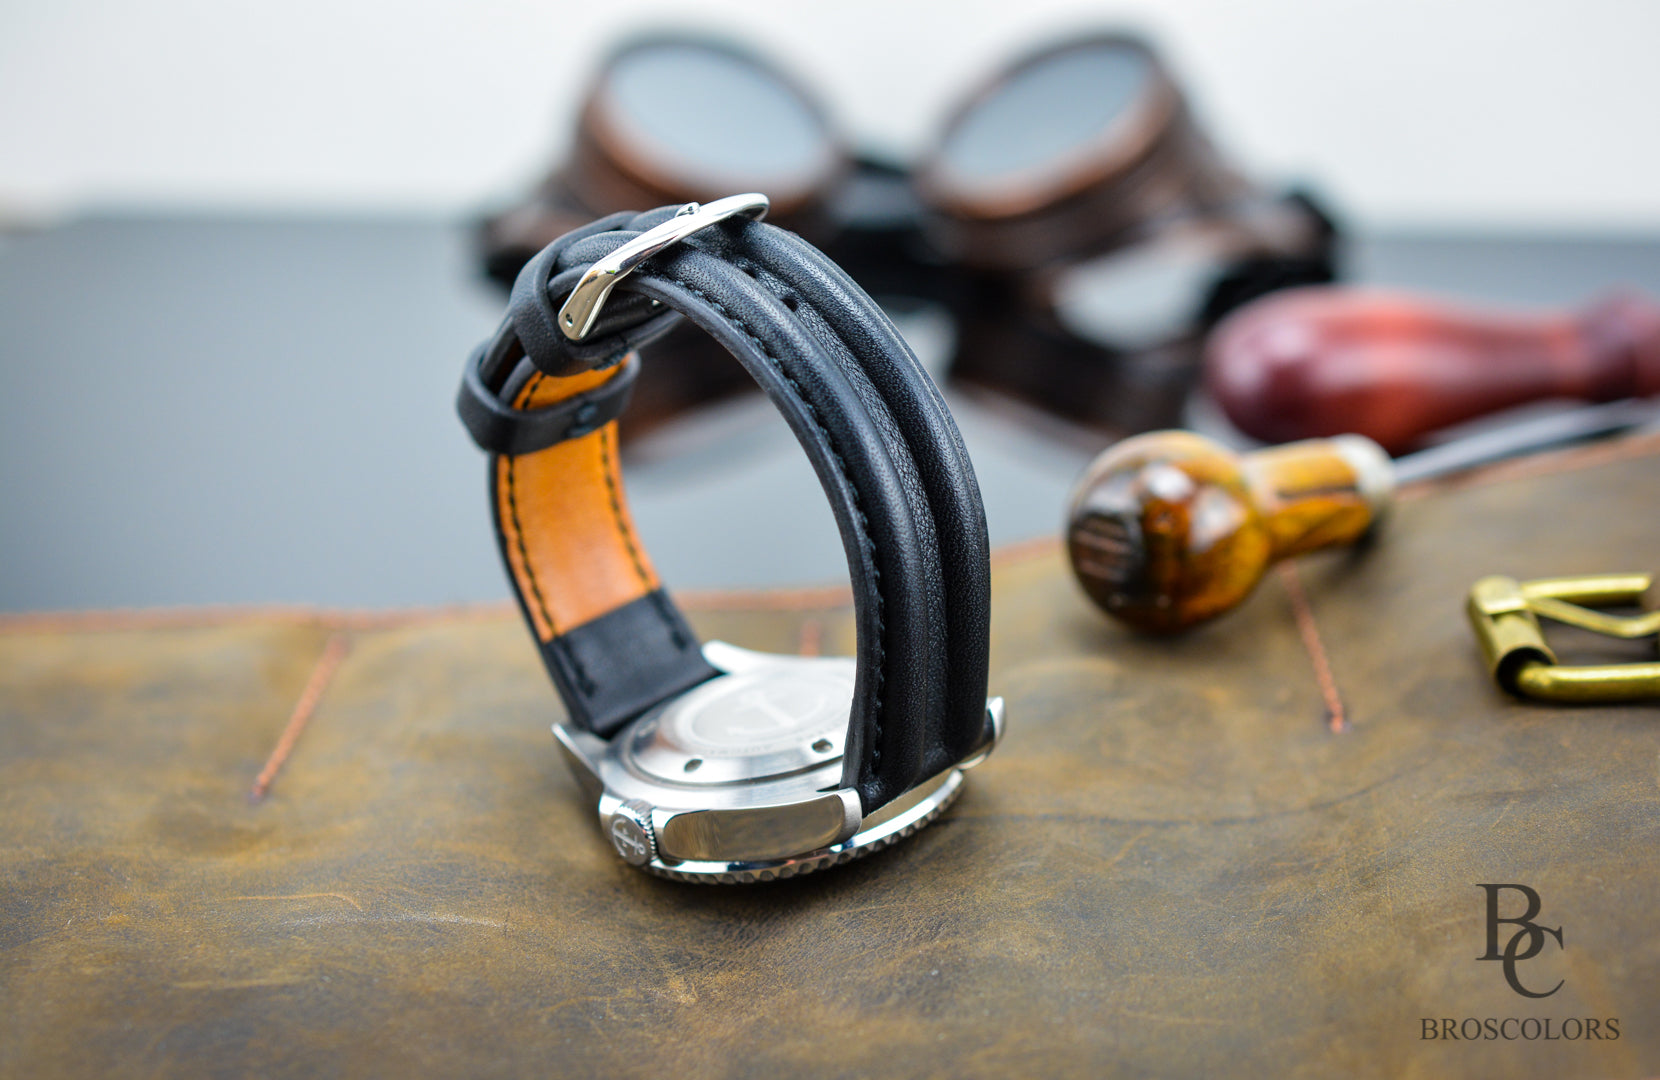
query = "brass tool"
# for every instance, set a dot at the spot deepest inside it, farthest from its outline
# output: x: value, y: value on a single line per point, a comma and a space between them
x: 1169, y: 529
x: 1505, y: 615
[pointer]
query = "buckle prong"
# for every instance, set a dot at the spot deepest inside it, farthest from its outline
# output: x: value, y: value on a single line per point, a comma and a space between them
x: 581, y: 309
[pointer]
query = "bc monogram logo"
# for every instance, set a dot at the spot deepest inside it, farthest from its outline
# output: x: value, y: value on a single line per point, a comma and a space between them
x: 1527, y: 942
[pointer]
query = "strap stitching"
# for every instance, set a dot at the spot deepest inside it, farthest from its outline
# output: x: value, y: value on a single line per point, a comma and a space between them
x: 660, y: 603
x: 583, y: 681
x: 841, y: 467
x: 518, y: 529
x: 666, y: 612
x: 616, y: 509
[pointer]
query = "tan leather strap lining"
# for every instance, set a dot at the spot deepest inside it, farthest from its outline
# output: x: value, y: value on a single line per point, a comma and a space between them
x: 570, y: 541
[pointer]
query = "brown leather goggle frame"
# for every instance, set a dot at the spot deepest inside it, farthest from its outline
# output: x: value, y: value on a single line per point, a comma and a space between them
x: 991, y: 260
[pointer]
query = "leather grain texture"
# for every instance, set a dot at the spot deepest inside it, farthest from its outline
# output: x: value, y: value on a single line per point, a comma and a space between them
x: 1172, y: 867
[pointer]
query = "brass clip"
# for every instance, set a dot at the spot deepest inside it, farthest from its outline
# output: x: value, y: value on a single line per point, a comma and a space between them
x: 1505, y: 615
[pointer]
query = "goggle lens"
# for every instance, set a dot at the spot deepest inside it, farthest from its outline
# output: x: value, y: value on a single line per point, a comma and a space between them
x: 713, y: 116
x: 1046, y: 114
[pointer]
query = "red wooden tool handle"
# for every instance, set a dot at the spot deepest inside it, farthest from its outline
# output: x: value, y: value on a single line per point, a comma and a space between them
x: 1394, y: 367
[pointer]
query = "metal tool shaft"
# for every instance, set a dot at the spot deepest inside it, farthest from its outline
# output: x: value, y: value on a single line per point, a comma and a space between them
x: 1527, y: 436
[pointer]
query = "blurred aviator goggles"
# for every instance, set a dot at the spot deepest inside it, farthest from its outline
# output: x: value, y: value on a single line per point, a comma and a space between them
x: 1079, y: 228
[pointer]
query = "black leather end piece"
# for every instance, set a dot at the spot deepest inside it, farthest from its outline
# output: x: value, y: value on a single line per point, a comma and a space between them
x: 619, y: 665
x: 501, y: 429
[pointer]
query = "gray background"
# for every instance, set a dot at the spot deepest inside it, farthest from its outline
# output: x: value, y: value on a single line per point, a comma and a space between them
x: 217, y: 410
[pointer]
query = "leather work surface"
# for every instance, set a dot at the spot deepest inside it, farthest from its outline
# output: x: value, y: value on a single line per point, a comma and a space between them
x: 1174, y: 865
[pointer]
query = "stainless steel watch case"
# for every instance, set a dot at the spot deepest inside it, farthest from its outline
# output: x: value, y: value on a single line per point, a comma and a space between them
x: 740, y: 778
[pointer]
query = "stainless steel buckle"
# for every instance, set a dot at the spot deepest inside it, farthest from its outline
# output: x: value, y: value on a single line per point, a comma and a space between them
x: 582, y: 307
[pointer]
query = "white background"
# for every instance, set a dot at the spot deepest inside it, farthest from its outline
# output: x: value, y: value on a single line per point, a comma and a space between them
x: 1412, y: 113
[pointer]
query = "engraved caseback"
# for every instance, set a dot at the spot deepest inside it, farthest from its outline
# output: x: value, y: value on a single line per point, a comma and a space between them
x: 785, y: 716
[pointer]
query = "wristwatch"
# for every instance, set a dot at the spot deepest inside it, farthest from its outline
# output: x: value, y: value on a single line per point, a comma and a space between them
x: 709, y: 762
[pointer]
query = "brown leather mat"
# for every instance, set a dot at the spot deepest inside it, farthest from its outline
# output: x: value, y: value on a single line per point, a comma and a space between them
x: 1173, y: 866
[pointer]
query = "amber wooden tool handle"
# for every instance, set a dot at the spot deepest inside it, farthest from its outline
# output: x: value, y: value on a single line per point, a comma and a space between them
x: 1393, y: 367
x: 1169, y: 529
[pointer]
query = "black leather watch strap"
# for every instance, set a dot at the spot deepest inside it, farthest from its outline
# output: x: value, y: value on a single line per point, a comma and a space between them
x: 871, y: 422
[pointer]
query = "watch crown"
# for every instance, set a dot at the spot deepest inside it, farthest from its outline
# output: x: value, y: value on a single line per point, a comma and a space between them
x: 631, y: 833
